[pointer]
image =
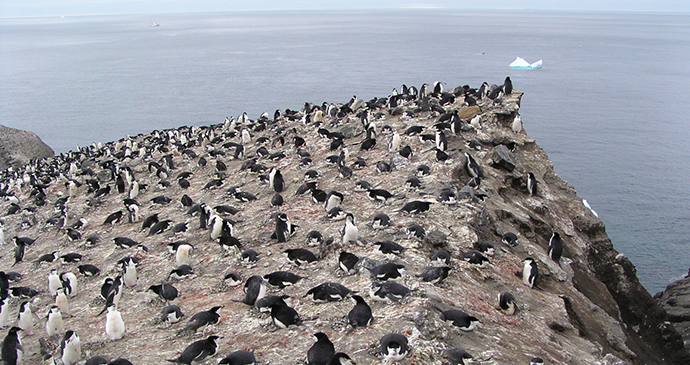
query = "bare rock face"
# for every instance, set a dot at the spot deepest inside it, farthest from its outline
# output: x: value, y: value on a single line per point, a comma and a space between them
x: 676, y: 301
x: 504, y: 158
x: 18, y: 147
x: 587, y: 308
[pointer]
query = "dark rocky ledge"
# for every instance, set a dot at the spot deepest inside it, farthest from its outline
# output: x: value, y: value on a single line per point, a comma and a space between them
x: 589, y: 309
x: 675, y: 299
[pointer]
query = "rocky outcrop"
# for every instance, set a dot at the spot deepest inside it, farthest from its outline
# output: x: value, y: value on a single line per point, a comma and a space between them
x: 676, y: 301
x: 18, y: 147
x: 588, y: 308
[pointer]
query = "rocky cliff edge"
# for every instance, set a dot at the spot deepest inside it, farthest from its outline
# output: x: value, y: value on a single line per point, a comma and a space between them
x: 589, y: 309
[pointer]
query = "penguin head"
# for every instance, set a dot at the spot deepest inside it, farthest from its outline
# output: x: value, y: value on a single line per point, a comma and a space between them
x: 320, y: 336
x: 53, y: 309
x: 358, y: 299
x: 70, y: 337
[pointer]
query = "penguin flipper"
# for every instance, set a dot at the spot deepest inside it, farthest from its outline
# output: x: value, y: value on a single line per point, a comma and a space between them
x: 201, y: 356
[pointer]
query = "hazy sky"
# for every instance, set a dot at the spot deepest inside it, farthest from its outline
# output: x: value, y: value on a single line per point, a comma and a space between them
x: 12, y: 8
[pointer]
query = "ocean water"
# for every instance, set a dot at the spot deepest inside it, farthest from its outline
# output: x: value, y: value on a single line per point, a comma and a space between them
x: 609, y: 106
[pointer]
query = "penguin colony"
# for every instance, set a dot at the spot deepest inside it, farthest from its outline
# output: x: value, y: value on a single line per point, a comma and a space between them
x: 251, y: 238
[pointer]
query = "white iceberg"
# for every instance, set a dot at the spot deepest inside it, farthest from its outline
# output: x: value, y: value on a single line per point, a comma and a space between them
x: 521, y: 64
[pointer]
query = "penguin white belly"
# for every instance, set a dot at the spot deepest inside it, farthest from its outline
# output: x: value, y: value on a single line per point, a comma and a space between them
x: 114, y: 325
x: 4, y: 312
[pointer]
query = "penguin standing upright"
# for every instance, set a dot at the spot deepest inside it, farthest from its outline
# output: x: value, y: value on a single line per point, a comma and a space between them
x: 70, y: 348
x: 114, y: 325
x: 12, y: 350
x: 132, y: 213
x: 530, y: 272
x: 61, y: 301
x: 216, y: 226
x: 4, y: 309
x: 350, y: 232
x: 130, y: 275
x: 69, y: 283
x: 531, y: 184
x: 120, y: 184
x: 284, y: 228
x: 113, y: 292
x: 25, y: 317
x: 395, y: 142
x: 555, y: 247
x: 134, y: 189
x: 441, y: 141
x: 516, y: 126
x: 472, y: 167
x: 275, y: 179
x: 182, y: 254
x: 246, y: 137
x: 53, y: 282
x: 54, y: 323
x: 507, y: 86
x: 18, y: 251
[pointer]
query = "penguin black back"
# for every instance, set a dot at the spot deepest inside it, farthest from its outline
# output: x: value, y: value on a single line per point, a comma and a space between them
x: 360, y: 315
x: 12, y: 350
x: 197, y: 351
x: 555, y: 247
x: 321, y: 352
x: 203, y: 318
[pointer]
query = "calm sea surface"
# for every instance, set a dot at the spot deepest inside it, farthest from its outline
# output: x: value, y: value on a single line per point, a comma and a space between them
x: 610, y: 105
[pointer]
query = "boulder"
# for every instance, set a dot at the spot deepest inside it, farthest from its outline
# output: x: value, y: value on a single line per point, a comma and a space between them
x: 469, y: 112
x: 504, y: 158
x: 676, y: 301
x: 18, y: 147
